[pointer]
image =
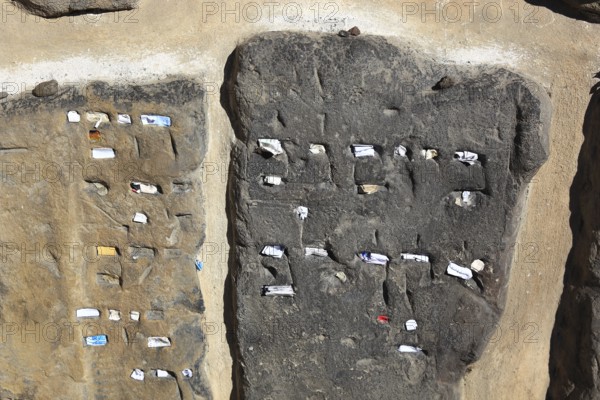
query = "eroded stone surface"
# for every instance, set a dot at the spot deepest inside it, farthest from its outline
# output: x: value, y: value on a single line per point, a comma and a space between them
x: 337, y: 92
x: 59, y: 8
x: 60, y: 204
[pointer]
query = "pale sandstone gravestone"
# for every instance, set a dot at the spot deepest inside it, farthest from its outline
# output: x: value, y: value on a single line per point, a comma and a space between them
x: 71, y: 217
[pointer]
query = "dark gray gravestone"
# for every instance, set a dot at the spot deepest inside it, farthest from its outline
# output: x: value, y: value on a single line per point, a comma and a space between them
x: 337, y: 91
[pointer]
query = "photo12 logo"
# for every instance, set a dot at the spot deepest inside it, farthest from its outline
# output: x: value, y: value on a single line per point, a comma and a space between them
x: 473, y: 11
x: 28, y: 172
x: 66, y: 332
x: 13, y: 11
x: 270, y: 11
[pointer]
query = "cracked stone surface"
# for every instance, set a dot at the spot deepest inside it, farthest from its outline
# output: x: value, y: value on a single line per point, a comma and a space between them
x: 326, y: 342
x: 60, y: 204
x: 60, y: 8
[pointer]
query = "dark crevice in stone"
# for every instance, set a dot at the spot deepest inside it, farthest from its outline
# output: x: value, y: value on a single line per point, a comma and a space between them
x: 575, y: 345
x: 386, y: 293
x: 230, y: 296
x: 173, y: 145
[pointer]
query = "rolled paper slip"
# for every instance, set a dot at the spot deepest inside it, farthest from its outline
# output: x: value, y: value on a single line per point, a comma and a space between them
x: 314, y: 251
x: 140, y: 218
x: 124, y: 119
x: 466, y: 157
x: 273, y: 251
x: 137, y: 374
x: 139, y: 187
x: 400, y: 151
x: 410, y: 325
x: 88, y: 313
x: 97, y: 118
x: 414, y: 257
x: 158, y: 341
x: 459, y: 272
x: 156, y: 120
x: 429, y: 154
x: 409, y: 349
x: 369, y: 189
x: 95, y: 341
x: 272, y: 180
x: 374, y: 258
x: 317, y: 149
x: 302, y: 212
x: 285, y: 290
x: 363, y: 150
x: 73, y: 116
x: 161, y: 373
x: 103, y: 153
x: 114, y: 315
x: 272, y: 146
x: 106, y: 251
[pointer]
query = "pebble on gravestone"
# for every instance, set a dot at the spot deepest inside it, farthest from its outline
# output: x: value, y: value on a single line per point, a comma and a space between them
x: 45, y: 89
x: 354, y: 31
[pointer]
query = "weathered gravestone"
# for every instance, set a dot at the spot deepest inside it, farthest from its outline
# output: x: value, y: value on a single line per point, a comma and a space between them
x: 60, y: 204
x: 60, y: 8
x: 328, y: 341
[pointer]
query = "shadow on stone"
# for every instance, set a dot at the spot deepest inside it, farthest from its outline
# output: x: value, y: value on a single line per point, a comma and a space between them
x: 229, y: 296
x: 584, y: 11
x: 575, y: 348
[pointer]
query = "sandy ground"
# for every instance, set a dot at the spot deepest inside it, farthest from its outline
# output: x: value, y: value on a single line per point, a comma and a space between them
x: 166, y: 37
